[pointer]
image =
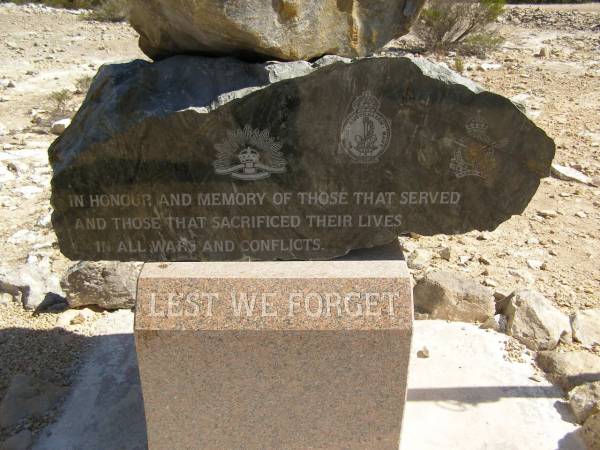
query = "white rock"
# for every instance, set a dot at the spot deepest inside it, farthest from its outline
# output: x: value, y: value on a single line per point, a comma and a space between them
x: 534, y: 321
x: 585, y: 400
x: 3, y: 129
x: 535, y: 264
x: 586, y: 327
x: 60, y: 126
x: 22, y: 237
x: 569, y: 174
x: 419, y: 259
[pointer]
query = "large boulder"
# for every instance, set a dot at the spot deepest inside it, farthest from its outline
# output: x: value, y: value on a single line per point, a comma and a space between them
x: 282, y: 29
x: 585, y: 400
x: 534, y: 321
x: 195, y: 158
x: 586, y: 327
x: 570, y: 369
x: 453, y: 296
x: 107, y: 284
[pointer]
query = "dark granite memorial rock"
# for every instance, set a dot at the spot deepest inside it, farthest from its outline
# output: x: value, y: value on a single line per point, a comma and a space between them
x: 195, y: 158
x: 266, y: 29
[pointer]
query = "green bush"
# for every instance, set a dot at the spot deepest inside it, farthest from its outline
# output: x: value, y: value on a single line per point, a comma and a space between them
x: 446, y: 25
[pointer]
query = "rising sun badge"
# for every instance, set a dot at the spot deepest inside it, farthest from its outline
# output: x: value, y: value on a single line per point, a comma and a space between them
x: 249, y: 154
x: 366, y: 132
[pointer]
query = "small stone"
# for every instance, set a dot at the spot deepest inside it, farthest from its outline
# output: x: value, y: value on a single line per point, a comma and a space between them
x: 543, y: 53
x: 534, y: 321
x: 568, y: 174
x: 533, y: 241
x: 484, y: 260
x: 446, y: 253
x: 60, y: 126
x: 535, y: 264
x: 581, y: 214
x: 522, y: 275
x: 490, y: 282
x: 107, y: 284
x: 419, y: 259
x: 548, y: 213
x: 448, y: 295
x: 585, y: 400
x: 464, y: 259
x: 586, y: 327
x: 423, y: 353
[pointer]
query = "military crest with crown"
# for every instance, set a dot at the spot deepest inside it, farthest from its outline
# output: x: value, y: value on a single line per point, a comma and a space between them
x: 366, y: 132
x: 476, y: 157
x: 249, y: 154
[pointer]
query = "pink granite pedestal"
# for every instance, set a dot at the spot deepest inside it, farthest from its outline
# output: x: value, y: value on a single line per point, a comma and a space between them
x: 274, y: 355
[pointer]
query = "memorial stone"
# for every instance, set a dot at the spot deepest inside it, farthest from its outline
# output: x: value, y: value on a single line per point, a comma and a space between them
x: 274, y: 355
x: 207, y: 159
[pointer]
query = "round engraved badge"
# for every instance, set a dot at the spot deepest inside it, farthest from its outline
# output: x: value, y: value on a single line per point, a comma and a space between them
x: 366, y: 132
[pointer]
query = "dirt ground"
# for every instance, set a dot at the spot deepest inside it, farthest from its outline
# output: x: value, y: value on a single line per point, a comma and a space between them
x: 44, y: 51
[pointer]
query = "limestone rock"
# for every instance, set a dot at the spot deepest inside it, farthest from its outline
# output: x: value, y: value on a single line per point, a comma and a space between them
x: 60, y: 126
x: 585, y: 400
x: 108, y: 284
x: 195, y: 158
x: 419, y: 259
x: 27, y: 397
x: 586, y: 327
x: 534, y: 321
x: 570, y: 369
x: 569, y: 174
x: 590, y: 432
x: 31, y: 284
x: 281, y: 29
x: 452, y: 296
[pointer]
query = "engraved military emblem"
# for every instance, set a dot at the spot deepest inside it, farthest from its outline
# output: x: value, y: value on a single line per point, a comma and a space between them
x: 249, y: 154
x: 476, y: 155
x: 366, y: 132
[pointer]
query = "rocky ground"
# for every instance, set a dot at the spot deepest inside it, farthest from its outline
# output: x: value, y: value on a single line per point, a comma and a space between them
x: 550, y: 63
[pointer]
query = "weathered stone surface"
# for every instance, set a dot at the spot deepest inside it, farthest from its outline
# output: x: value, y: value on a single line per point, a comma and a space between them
x: 570, y: 369
x: 32, y: 284
x: 585, y: 400
x: 27, y: 397
x: 195, y: 158
x: 453, y: 296
x: 534, y: 321
x: 107, y: 284
x: 590, y: 432
x: 586, y: 327
x: 282, y: 29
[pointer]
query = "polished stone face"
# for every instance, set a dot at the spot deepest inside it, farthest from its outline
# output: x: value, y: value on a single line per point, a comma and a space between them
x: 196, y: 158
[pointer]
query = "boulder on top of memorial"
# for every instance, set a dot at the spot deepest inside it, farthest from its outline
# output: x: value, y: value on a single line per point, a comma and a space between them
x: 281, y: 29
x: 195, y: 158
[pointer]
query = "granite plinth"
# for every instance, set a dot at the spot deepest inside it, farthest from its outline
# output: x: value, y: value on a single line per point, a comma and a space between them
x: 272, y: 355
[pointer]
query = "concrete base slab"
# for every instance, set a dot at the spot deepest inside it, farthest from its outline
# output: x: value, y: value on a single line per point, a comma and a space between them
x: 466, y: 396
